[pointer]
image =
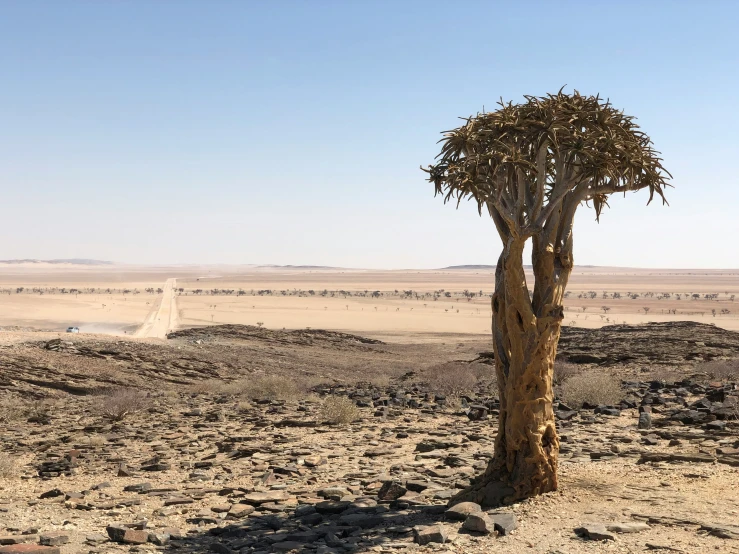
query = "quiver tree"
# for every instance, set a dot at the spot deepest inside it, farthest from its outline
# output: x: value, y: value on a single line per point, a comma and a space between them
x: 530, y: 166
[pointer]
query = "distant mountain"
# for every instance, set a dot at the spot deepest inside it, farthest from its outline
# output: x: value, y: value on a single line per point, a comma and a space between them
x: 72, y: 261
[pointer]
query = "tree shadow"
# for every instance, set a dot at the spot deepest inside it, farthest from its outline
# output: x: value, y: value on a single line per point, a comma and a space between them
x: 327, y: 527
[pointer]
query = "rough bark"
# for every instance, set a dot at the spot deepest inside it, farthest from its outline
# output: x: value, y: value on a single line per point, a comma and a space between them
x: 525, y: 335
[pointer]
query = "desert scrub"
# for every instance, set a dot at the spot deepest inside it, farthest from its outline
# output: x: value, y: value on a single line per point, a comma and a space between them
x: 592, y: 387
x: 39, y: 411
x: 8, y: 466
x: 451, y: 378
x: 12, y: 409
x: 564, y: 371
x: 726, y: 371
x: 115, y: 404
x: 338, y: 410
x: 270, y: 387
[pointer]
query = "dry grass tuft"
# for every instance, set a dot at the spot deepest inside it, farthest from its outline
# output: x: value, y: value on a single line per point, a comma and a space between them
x: 593, y: 387
x: 270, y: 387
x: 380, y: 381
x: 12, y: 409
x: 339, y: 410
x: 116, y: 404
x: 8, y: 466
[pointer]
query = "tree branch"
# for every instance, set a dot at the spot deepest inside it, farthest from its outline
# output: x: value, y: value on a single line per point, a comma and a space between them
x: 500, y: 223
x: 541, y: 182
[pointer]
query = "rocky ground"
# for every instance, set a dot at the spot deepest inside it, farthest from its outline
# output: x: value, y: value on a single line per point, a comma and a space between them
x: 202, y: 468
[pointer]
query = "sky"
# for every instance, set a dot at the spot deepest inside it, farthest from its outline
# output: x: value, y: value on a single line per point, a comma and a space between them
x: 292, y: 132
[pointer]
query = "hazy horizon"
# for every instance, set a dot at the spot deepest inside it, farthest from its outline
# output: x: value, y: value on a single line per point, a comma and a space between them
x: 292, y: 133
x: 469, y: 267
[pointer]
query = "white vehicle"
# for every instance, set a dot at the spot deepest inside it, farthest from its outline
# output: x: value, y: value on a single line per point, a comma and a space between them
x: 73, y: 329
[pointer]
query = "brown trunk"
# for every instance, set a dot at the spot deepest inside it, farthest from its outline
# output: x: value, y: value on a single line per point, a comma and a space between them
x: 525, y: 336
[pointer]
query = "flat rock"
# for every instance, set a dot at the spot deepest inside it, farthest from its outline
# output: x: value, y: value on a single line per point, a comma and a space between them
x: 257, y: 498
x: 595, y: 532
x: 29, y: 549
x: 54, y: 538
x: 630, y: 527
x: 119, y: 533
x: 240, y: 510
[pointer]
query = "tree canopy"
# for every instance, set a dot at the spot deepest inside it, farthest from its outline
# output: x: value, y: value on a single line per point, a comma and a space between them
x: 523, y: 161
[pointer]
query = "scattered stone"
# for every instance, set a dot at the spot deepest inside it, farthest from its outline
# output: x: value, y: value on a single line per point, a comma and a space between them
x: 391, y: 490
x: 433, y: 533
x: 460, y: 511
x: 54, y: 538
x: 479, y: 522
x: 504, y: 523
x: 120, y: 533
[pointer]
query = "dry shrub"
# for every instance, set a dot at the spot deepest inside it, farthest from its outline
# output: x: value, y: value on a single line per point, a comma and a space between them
x: 265, y: 387
x: 338, y: 410
x: 726, y: 371
x: 208, y: 386
x: 667, y: 376
x: 270, y: 387
x: 563, y: 371
x: 484, y: 373
x: 39, y: 411
x: 116, y: 404
x: 97, y: 440
x: 593, y: 387
x: 451, y: 378
x: 12, y: 409
x: 8, y: 466
x: 380, y: 381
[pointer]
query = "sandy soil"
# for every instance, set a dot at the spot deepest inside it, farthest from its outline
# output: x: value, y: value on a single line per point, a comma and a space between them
x: 388, y: 314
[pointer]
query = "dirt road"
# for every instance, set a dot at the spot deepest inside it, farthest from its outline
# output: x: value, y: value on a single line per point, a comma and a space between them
x: 163, y: 316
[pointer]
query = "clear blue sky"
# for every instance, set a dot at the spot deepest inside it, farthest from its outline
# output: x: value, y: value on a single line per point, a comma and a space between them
x: 292, y: 132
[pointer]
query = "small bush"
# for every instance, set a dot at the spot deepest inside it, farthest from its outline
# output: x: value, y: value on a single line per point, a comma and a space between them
x: 593, y: 387
x: 208, y: 386
x: 338, y: 410
x: 12, y: 409
x: 451, y: 378
x: 266, y: 387
x: 380, y: 381
x: 116, y: 404
x: 269, y: 387
x: 39, y: 411
x: 563, y: 371
x: 8, y: 466
x: 726, y: 371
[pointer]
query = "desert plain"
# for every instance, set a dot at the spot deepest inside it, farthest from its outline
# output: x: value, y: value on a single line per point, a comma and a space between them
x: 118, y: 299
x: 329, y: 411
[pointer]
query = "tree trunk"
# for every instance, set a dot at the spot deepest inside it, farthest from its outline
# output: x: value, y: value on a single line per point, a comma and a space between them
x: 525, y: 336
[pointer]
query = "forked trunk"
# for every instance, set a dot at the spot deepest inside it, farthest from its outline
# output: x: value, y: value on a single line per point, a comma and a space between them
x: 525, y: 336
